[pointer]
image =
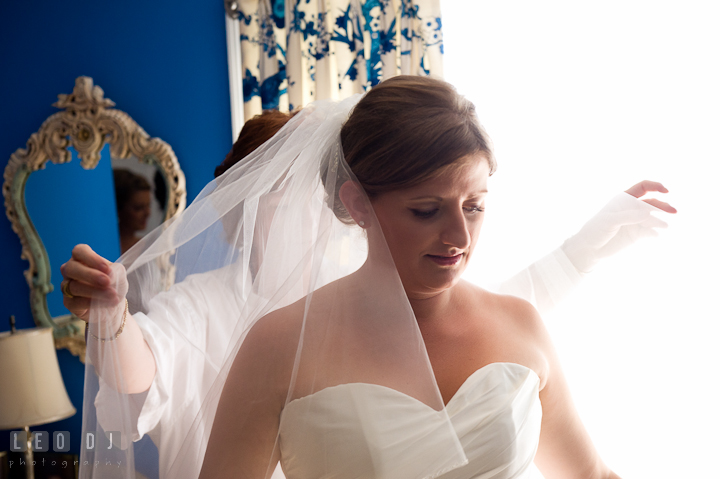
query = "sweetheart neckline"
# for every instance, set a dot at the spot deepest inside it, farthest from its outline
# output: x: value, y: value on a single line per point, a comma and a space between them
x: 463, y: 386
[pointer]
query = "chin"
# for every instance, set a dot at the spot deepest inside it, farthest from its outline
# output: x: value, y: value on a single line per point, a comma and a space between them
x: 439, y: 281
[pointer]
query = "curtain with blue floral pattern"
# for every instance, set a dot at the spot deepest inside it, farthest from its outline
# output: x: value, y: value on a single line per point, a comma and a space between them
x: 297, y: 51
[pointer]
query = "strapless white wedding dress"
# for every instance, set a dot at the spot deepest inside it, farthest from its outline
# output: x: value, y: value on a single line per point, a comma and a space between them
x: 368, y: 431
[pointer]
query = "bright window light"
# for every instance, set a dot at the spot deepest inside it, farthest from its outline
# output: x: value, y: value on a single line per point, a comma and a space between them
x: 583, y: 100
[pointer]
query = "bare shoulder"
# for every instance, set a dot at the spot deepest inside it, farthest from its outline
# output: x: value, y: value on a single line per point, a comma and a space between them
x: 520, y: 312
x: 267, y: 354
x: 518, y: 325
x: 279, y: 331
x: 262, y: 366
x: 276, y: 329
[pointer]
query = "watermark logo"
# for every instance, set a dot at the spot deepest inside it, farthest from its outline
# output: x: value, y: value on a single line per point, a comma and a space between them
x: 62, y: 464
x: 94, y: 444
x: 42, y: 441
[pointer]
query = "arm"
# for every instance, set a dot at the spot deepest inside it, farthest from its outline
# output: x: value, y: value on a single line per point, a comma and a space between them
x: 163, y: 354
x: 243, y: 440
x: 545, y: 282
x: 565, y: 450
x: 619, y: 224
x: 88, y: 277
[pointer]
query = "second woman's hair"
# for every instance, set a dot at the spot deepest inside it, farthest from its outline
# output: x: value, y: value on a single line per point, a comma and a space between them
x: 254, y: 133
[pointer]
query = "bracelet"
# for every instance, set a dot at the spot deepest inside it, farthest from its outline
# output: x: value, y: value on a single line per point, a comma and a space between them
x: 119, y: 331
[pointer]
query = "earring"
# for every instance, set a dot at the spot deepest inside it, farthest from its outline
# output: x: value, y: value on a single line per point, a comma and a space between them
x: 361, y: 223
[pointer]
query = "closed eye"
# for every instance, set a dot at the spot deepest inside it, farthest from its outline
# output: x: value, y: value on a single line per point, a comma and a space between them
x: 424, y: 213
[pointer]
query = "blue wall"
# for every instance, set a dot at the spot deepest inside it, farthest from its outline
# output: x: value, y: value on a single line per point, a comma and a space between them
x: 163, y: 62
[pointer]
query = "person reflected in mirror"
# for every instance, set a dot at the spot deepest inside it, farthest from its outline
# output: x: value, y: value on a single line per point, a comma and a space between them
x: 132, y: 198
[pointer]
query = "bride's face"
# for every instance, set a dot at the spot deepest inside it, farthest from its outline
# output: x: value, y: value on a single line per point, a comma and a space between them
x: 432, y: 228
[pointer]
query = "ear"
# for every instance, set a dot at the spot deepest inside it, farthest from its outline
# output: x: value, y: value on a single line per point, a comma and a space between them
x: 356, y: 203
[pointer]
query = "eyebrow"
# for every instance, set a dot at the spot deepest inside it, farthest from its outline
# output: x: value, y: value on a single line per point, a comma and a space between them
x: 438, y: 198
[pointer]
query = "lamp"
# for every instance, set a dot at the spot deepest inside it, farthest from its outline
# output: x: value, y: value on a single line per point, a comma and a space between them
x: 33, y: 391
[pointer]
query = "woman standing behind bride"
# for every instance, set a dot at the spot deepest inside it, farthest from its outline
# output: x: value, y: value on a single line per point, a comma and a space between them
x: 326, y: 385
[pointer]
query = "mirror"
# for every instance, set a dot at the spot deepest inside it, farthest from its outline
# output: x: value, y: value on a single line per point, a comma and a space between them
x: 60, y: 191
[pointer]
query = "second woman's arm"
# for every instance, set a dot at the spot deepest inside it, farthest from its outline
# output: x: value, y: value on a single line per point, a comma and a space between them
x: 90, y: 278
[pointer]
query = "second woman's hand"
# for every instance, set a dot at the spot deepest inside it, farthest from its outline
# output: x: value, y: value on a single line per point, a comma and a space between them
x: 646, y: 186
x: 617, y: 225
x: 90, y: 278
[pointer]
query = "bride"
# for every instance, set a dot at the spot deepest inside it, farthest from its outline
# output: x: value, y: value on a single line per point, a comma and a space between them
x: 336, y: 336
x: 356, y: 402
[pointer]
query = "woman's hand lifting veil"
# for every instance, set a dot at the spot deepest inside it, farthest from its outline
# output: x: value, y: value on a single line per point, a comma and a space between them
x: 88, y: 278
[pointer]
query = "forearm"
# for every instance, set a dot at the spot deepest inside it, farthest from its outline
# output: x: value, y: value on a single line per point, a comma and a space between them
x: 544, y: 283
x: 130, y: 367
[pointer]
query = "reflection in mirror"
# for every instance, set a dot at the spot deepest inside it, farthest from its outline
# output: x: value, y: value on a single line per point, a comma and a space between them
x: 140, y: 191
x: 133, y: 200
x: 140, y: 197
x: 70, y: 205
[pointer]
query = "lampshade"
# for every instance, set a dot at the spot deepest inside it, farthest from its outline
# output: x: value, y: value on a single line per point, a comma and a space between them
x: 32, y: 391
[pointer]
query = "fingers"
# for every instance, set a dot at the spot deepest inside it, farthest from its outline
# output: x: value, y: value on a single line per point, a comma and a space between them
x: 660, y: 205
x: 80, y: 272
x: 84, y: 254
x: 645, y: 186
x: 118, y: 279
x: 83, y: 290
x: 87, y: 279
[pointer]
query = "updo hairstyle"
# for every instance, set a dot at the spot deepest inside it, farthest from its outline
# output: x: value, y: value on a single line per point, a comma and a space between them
x: 407, y: 128
x: 254, y: 133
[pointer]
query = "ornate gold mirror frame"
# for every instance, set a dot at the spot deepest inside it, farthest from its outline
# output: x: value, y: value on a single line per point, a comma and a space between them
x: 87, y: 123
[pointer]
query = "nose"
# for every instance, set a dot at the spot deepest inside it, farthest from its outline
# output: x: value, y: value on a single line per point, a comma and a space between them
x: 456, y: 230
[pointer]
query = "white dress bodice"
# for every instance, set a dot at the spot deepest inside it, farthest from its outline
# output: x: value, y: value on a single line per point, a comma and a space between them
x: 360, y: 430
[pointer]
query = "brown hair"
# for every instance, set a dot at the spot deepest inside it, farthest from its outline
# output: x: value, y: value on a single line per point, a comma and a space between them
x: 126, y: 184
x: 407, y: 128
x: 254, y: 133
x: 404, y: 131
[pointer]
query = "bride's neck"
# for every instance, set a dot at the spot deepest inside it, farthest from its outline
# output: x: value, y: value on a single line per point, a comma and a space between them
x: 432, y: 308
x: 427, y: 306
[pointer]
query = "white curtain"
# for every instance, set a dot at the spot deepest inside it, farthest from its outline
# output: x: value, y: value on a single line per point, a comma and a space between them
x: 294, y: 52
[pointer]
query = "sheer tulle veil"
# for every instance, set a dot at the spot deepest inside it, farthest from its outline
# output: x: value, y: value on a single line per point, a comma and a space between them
x: 212, y: 288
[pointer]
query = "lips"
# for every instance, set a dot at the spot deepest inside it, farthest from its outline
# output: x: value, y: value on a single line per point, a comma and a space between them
x: 445, y: 260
